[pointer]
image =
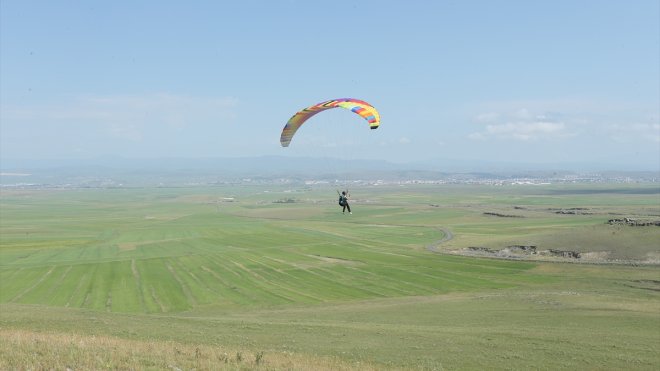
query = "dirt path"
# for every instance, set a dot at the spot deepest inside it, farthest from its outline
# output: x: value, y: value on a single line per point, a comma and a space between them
x: 447, y: 236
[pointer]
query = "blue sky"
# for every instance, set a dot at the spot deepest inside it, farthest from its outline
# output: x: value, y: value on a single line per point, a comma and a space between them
x: 513, y: 81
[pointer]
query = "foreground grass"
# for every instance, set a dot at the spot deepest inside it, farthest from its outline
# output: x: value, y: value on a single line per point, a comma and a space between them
x: 583, y: 317
x: 29, y: 350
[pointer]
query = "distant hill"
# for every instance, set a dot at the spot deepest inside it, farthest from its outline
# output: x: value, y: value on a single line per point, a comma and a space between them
x: 109, y: 171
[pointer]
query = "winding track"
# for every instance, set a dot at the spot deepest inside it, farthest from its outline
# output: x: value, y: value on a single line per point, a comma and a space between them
x: 434, y: 246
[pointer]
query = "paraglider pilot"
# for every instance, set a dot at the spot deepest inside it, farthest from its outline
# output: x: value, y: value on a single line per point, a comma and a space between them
x: 343, y: 201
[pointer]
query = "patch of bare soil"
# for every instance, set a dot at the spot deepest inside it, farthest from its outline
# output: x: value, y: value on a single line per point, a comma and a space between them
x: 533, y: 253
x: 127, y: 246
x: 334, y: 260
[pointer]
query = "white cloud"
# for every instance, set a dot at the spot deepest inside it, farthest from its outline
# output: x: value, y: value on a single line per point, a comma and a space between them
x: 649, y: 132
x: 404, y: 140
x: 487, y: 117
x: 521, y: 125
x: 119, y: 113
x: 477, y: 136
x: 143, y: 124
x: 526, y: 130
x: 523, y: 114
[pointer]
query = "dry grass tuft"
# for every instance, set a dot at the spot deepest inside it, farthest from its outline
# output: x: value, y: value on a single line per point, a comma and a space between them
x: 29, y: 350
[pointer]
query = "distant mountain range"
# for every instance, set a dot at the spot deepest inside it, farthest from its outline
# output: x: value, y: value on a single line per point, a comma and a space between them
x: 284, y: 164
x: 273, y: 167
x: 270, y: 165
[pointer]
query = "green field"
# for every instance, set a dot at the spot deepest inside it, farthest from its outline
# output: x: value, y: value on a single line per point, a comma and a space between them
x: 278, y: 271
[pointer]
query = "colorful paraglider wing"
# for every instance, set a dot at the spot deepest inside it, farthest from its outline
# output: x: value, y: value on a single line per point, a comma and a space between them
x: 362, y: 108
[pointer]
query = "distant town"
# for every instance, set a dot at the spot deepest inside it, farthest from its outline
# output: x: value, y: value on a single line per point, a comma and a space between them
x: 131, y: 179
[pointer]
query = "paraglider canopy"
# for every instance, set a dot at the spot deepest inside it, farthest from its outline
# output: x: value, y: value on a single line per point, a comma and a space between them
x: 360, y: 107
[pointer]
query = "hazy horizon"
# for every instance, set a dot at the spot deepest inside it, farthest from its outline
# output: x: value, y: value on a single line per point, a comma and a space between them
x: 283, y: 164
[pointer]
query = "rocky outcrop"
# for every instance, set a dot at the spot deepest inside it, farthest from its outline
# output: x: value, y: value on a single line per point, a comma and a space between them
x: 521, y: 251
x: 503, y: 215
x: 572, y: 211
x: 565, y: 254
x: 634, y: 222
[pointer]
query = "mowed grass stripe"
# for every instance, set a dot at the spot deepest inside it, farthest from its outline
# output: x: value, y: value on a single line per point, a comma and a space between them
x: 289, y: 280
x: 273, y: 289
x: 11, y: 280
x: 383, y: 265
x: 44, y: 257
x: 138, y: 285
x: 28, y: 281
x: 37, y: 277
x: 445, y: 278
x: 332, y: 266
x: 423, y: 285
x: 50, y: 287
x: 307, y: 282
x: 328, y: 279
x: 346, y: 285
x: 98, y: 290
x: 125, y: 293
x: 282, y: 282
x: 278, y: 283
x: 83, y: 273
x: 433, y: 269
x: 368, y: 278
x: 250, y: 292
x: 338, y: 281
x: 160, y: 290
x: 305, y: 270
x: 208, y: 275
x: 228, y: 293
x: 299, y: 288
x: 196, y: 289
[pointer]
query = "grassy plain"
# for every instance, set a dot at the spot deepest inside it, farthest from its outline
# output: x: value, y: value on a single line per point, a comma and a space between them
x: 276, y: 277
